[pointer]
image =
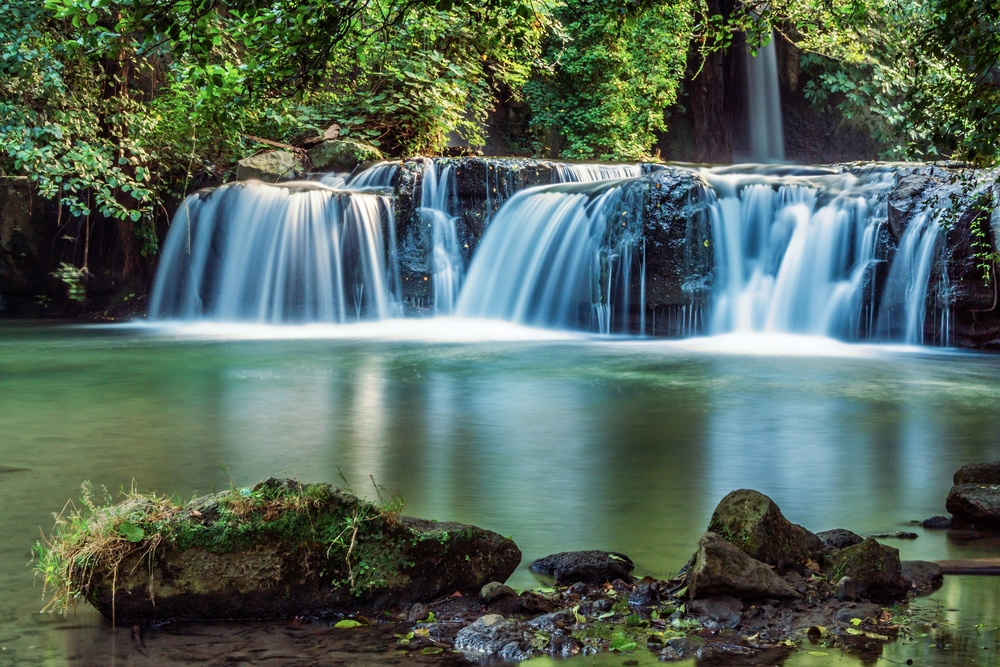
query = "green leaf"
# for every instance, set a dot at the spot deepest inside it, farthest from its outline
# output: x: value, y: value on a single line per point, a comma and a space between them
x: 347, y: 623
x: 622, y: 644
x: 131, y: 532
x: 431, y: 650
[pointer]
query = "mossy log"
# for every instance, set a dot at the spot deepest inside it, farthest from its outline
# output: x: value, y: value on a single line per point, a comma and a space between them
x: 284, y: 549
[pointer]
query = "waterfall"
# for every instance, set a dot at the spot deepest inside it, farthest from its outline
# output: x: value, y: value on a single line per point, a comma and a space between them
x: 252, y: 252
x: 379, y: 176
x: 904, y: 307
x: 446, y: 256
x: 767, y: 141
x: 555, y: 256
x: 569, y: 172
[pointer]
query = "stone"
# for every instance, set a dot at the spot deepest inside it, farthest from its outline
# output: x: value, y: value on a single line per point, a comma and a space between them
x: 904, y: 201
x: 722, y: 610
x: 937, y: 522
x: 591, y: 567
x: 863, y: 610
x: 978, y: 473
x: 342, y: 154
x: 682, y: 648
x: 269, y: 166
x: 500, y: 598
x: 558, y: 620
x: 874, y: 571
x: 489, y: 635
x: 975, y: 505
x: 720, y: 568
x: 753, y: 522
x: 839, y: 538
x: 924, y: 576
x: 564, y: 646
x: 269, y: 555
x: 417, y: 613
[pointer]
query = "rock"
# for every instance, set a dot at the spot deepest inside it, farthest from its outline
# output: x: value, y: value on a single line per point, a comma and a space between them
x: 564, y: 646
x: 417, y: 613
x: 978, y: 473
x: 897, y: 535
x: 646, y: 593
x: 269, y: 166
x: 682, y: 648
x: 874, y: 571
x: 720, y: 568
x: 753, y: 522
x: 904, y: 201
x: 848, y: 590
x: 924, y: 576
x: 975, y: 505
x: 272, y: 552
x: 342, y: 154
x: 500, y: 598
x: 591, y: 567
x: 839, y: 538
x: 490, y: 635
x: 721, y: 610
x: 559, y: 620
x: 937, y: 522
x: 864, y: 610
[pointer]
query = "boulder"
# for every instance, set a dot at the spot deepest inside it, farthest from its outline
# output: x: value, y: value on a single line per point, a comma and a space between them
x: 839, y: 538
x: 753, y: 522
x: 975, y: 505
x: 722, y: 610
x: 500, y: 598
x: 269, y: 166
x: 904, y: 201
x: 590, y: 567
x: 978, y: 473
x: 873, y: 570
x: 924, y: 576
x: 720, y: 568
x: 937, y: 522
x: 278, y: 550
x: 342, y: 154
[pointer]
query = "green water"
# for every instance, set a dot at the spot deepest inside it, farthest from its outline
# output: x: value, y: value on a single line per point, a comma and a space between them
x: 563, y: 444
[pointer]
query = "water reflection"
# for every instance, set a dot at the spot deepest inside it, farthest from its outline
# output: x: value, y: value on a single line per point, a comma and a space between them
x: 562, y: 444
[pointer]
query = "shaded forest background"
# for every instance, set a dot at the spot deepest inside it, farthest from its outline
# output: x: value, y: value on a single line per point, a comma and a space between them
x: 112, y: 110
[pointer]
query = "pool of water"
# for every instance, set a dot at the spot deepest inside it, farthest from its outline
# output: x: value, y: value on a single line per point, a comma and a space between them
x: 561, y: 441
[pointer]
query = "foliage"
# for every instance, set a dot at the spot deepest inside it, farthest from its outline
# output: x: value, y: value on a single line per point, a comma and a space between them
x: 609, y: 75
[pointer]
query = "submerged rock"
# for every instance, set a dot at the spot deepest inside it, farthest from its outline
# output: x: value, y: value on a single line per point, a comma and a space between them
x: 720, y: 568
x: 924, y: 576
x: 975, y: 505
x: 937, y: 522
x: 872, y: 570
x: 590, y: 567
x: 753, y: 522
x: 978, y: 473
x: 269, y: 166
x: 282, y: 549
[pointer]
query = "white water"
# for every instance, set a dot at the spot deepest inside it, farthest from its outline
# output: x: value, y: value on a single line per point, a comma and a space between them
x: 767, y: 139
x: 449, y: 267
x: 905, y: 300
x: 570, y: 172
x: 275, y: 254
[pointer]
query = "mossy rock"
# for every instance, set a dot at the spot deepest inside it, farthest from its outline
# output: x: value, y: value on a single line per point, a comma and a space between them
x: 720, y: 568
x: 875, y: 571
x: 269, y: 166
x: 284, y: 549
x: 342, y: 155
x: 753, y: 522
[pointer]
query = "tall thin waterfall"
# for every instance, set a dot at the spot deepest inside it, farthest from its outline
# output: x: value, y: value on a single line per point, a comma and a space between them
x: 275, y: 254
x: 554, y: 257
x: 446, y: 251
x: 904, y: 301
x: 767, y: 139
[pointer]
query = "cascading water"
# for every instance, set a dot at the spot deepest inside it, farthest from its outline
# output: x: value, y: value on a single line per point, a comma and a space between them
x: 767, y: 140
x: 569, y: 172
x: 904, y: 307
x: 554, y: 256
x: 446, y: 253
x: 251, y: 252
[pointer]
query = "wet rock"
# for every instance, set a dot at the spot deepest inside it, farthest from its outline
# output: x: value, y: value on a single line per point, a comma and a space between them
x: 282, y: 563
x: 864, y: 611
x: 592, y: 567
x: 564, y: 646
x: 490, y: 635
x: 937, y: 522
x: 551, y: 623
x: 646, y: 593
x: 719, y: 610
x: 682, y: 648
x: 873, y: 569
x: 978, y: 473
x: 597, y: 607
x: 417, y: 613
x: 500, y: 598
x: 753, y: 522
x: 897, y: 535
x: 269, y: 166
x: 976, y: 505
x: 720, y: 568
x: 839, y: 538
x: 924, y: 576
x: 342, y: 155
x: 904, y: 202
